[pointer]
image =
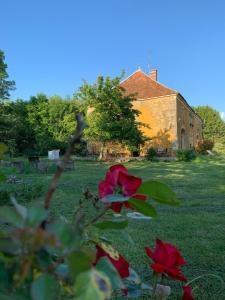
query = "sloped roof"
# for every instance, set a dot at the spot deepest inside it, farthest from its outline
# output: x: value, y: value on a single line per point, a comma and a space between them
x: 141, y: 84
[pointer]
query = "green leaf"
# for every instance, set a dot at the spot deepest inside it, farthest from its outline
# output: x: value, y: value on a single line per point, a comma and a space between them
x: 11, y: 216
x: 10, y: 246
x: 133, y: 291
x: 3, y: 149
x: 133, y: 278
x: 112, y: 224
x: 45, y: 288
x: 143, y: 207
x: 12, y: 297
x: 63, y: 232
x: 6, y: 278
x: 104, y: 265
x: 114, y: 198
x: 22, y: 210
x: 127, y: 237
x: 2, y: 177
x: 62, y: 271
x: 138, y: 216
x: 92, y: 285
x: 79, y: 262
x: 36, y: 215
x: 6, y: 297
x: 159, y: 192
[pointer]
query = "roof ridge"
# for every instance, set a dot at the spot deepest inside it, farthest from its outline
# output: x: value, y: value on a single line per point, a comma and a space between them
x: 138, y: 70
x: 157, y: 82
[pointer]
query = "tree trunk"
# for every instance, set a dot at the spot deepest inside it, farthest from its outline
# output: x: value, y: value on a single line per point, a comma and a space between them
x: 101, y: 154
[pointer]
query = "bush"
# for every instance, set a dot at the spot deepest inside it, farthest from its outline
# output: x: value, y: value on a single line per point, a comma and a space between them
x: 80, y: 149
x: 219, y: 148
x: 24, y: 192
x: 204, y: 145
x: 151, y: 154
x: 185, y: 155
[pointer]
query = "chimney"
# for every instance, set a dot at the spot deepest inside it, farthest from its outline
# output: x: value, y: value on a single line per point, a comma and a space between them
x: 153, y: 75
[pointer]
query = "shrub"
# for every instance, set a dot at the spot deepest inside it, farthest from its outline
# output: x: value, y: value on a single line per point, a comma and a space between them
x: 219, y: 148
x: 24, y: 192
x: 151, y: 154
x: 80, y: 149
x: 204, y: 145
x: 185, y: 155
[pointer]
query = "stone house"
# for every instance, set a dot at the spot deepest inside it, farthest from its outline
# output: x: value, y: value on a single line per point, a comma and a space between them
x: 172, y: 123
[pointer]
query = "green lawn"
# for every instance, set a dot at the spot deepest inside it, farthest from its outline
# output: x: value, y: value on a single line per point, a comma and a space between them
x: 197, y: 226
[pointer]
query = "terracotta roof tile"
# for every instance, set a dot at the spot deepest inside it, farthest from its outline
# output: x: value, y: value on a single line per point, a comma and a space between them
x: 144, y: 86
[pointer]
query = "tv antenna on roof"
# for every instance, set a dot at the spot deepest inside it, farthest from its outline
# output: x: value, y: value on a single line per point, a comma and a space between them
x: 149, y: 52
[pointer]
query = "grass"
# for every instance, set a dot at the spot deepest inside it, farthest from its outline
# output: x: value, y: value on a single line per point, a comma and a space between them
x: 196, y: 227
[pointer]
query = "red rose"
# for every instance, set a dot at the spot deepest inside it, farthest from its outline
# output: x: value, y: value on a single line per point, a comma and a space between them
x: 187, y: 293
x: 117, y: 260
x: 117, y: 180
x: 167, y: 259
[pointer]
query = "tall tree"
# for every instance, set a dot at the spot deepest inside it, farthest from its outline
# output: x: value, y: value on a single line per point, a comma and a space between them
x: 110, y: 113
x: 38, y: 116
x: 61, y: 118
x: 213, y: 125
x: 5, y: 85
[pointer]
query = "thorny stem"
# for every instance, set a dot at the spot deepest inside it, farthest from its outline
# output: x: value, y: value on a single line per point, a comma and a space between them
x: 155, y: 281
x: 81, y: 125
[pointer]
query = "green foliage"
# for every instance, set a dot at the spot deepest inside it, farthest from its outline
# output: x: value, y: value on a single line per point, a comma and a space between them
x: 213, y: 125
x: 107, y: 268
x: 143, y: 207
x: 112, y: 224
x: 3, y: 150
x: 92, y: 285
x: 185, y: 155
x: 219, y: 148
x: 151, y: 154
x: 204, y: 145
x: 110, y: 113
x: 80, y: 149
x: 159, y: 192
x: 5, y: 85
x: 24, y: 192
x: 45, y: 287
x: 38, y: 125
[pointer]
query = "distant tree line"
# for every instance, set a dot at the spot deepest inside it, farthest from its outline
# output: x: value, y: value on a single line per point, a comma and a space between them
x: 38, y: 125
x: 213, y: 125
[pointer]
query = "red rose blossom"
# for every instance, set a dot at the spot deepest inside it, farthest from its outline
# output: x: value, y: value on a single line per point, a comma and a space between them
x: 187, y: 293
x: 167, y: 259
x: 117, y: 180
x: 117, y: 260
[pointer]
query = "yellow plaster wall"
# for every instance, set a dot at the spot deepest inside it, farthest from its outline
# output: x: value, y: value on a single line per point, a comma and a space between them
x: 160, y: 115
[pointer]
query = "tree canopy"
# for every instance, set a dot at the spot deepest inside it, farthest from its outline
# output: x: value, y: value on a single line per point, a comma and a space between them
x: 213, y: 125
x: 37, y: 125
x: 110, y: 113
x: 5, y: 85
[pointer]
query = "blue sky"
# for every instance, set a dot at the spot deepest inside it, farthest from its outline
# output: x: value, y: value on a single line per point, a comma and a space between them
x: 50, y: 46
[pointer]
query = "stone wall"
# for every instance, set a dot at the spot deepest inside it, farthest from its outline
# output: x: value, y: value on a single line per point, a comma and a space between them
x: 189, y: 125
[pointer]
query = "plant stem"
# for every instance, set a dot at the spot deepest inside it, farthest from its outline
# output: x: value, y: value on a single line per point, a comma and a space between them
x: 155, y: 281
x: 75, y: 139
x: 97, y: 217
